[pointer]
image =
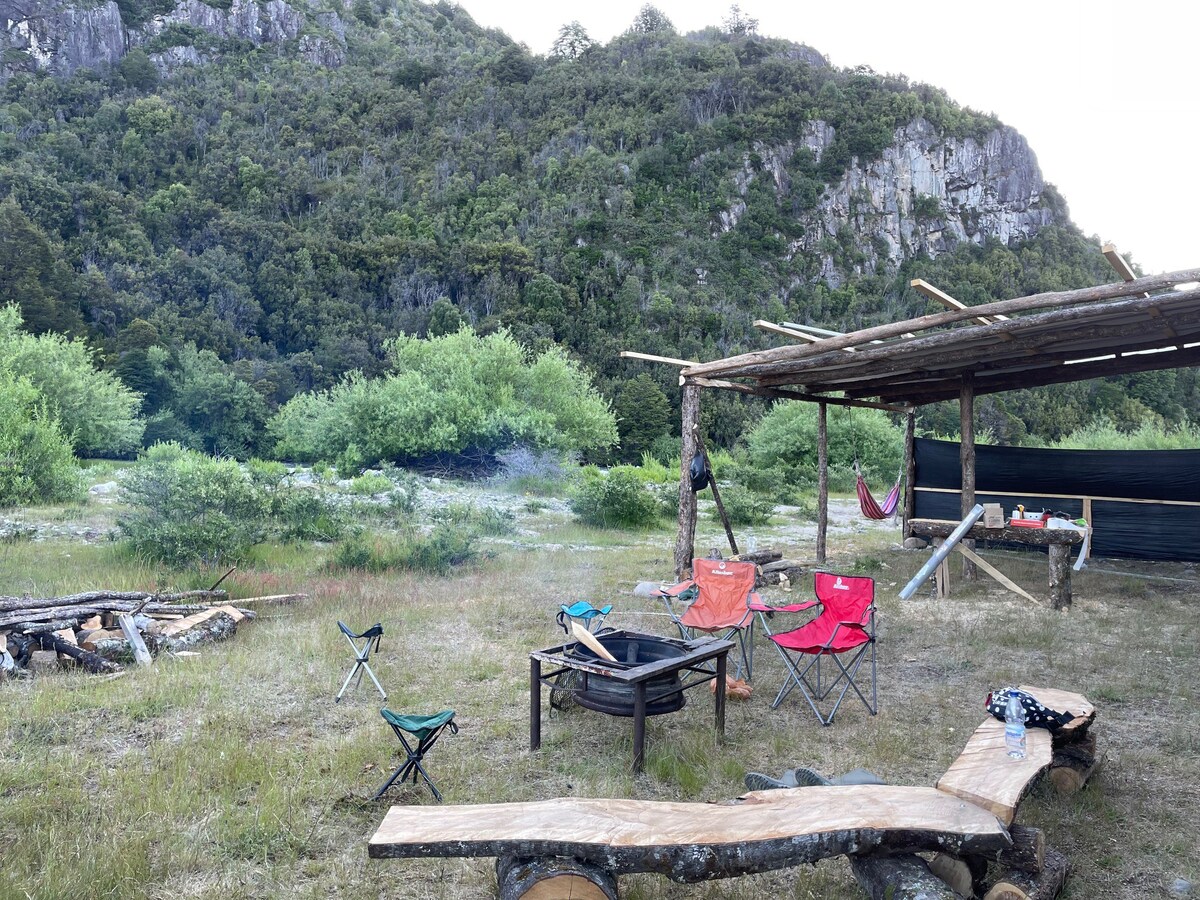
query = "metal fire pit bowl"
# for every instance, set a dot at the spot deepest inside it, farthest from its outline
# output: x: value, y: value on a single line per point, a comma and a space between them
x: 664, y: 692
x: 655, y: 672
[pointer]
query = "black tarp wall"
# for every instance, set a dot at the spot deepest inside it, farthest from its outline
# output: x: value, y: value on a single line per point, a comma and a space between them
x: 1057, y: 479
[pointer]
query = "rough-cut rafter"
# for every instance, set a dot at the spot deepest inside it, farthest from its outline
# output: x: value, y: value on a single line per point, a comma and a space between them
x: 1134, y: 326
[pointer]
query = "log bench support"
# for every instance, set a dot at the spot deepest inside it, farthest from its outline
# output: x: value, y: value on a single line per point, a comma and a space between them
x: 577, y: 848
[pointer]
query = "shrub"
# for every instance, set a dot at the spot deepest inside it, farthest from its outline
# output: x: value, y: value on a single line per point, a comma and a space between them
x: 304, y: 515
x: 615, y: 500
x: 744, y: 506
x: 185, y: 507
x: 36, y: 463
x: 371, y: 483
x: 437, y: 553
x: 527, y: 470
x: 781, y: 451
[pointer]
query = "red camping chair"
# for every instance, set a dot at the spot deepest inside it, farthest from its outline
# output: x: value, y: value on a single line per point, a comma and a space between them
x: 843, y: 632
x: 721, y: 601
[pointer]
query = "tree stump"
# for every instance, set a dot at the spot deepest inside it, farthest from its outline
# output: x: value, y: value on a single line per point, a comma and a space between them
x: 901, y: 877
x: 553, y: 878
x: 1060, y: 576
x: 1045, y: 885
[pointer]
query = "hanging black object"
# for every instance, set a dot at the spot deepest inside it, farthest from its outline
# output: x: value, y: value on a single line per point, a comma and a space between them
x: 699, y: 472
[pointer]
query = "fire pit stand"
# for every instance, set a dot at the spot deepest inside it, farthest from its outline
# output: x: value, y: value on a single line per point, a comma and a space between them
x: 690, y: 662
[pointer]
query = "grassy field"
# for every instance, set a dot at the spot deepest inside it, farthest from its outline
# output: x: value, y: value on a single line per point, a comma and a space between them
x: 234, y: 774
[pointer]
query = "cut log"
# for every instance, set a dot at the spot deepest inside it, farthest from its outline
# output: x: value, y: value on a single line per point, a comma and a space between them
x: 215, y: 625
x: 91, y: 624
x: 964, y: 876
x: 1073, y: 764
x: 90, y: 661
x: 92, y: 598
x: 689, y: 842
x: 181, y: 626
x: 758, y: 557
x: 43, y: 662
x: 1046, y: 885
x: 140, y: 653
x: 272, y: 600
x: 903, y: 877
x: 67, y: 636
x: 88, y: 640
x: 1028, y: 850
x: 553, y: 878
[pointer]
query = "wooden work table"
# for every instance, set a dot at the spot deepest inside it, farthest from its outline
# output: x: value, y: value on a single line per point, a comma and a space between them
x: 1058, y: 540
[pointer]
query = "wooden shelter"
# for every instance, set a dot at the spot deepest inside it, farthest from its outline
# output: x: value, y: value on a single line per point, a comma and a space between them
x: 1136, y: 325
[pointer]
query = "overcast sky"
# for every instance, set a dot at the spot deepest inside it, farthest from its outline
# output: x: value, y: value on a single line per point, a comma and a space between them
x: 1107, y: 94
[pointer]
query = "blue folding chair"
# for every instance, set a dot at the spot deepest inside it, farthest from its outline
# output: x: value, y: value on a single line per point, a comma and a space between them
x: 591, y: 618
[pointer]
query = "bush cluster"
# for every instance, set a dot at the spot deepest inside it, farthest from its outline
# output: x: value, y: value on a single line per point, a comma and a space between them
x: 185, y: 507
x: 618, y: 499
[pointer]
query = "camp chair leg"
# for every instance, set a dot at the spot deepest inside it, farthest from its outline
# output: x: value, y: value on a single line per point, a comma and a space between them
x: 374, y: 679
x: 346, y: 683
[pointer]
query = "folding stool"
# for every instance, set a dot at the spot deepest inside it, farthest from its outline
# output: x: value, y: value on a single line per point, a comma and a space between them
x: 362, y: 652
x: 425, y: 730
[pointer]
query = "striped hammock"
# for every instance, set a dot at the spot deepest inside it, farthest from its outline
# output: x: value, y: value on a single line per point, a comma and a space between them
x: 870, y: 508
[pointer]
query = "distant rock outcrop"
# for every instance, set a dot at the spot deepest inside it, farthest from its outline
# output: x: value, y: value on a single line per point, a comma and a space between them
x: 60, y: 38
x: 926, y: 194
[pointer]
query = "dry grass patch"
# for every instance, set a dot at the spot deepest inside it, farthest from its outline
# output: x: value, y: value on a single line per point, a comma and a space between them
x: 235, y: 773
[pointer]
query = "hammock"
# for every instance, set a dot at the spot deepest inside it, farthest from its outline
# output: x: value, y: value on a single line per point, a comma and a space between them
x: 870, y: 508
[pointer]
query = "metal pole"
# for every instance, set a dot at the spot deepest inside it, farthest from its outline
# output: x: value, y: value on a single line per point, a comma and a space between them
x: 943, y: 551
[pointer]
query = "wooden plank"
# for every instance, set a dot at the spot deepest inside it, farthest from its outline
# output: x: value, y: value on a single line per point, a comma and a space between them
x: 1117, y: 261
x: 1048, y: 300
x: 669, y: 360
x: 777, y: 394
x: 984, y: 774
x: 995, y: 573
x: 1086, y: 500
x: 128, y: 628
x: 696, y: 841
x: 925, y: 289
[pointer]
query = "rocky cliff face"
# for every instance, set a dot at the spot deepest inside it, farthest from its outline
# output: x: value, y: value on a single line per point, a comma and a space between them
x: 61, y: 38
x: 924, y: 194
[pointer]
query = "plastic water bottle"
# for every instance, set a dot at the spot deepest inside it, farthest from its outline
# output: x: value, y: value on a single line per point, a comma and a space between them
x: 1014, y: 727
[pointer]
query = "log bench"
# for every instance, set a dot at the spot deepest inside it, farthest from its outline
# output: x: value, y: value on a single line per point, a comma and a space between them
x: 572, y: 847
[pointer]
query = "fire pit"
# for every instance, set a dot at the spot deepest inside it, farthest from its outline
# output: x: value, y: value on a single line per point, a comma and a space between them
x: 664, y: 693
x: 649, y: 678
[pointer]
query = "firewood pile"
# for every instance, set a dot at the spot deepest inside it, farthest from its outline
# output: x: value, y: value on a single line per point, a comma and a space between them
x: 103, y: 630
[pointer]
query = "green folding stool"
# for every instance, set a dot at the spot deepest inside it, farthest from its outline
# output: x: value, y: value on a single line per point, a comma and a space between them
x: 425, y: 730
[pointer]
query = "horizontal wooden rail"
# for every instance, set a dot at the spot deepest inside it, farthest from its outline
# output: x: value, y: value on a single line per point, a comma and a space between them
x: 1081, y: 497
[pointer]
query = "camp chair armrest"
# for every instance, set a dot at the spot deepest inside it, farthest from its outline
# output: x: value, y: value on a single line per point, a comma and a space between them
x: 676, y: 589
x: 789, y: 608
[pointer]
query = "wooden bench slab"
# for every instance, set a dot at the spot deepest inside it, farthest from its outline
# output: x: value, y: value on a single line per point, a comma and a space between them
x: 695, y: 841
x: 984, y: 775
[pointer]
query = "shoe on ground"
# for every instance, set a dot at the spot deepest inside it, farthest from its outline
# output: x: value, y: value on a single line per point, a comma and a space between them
x: 805, y: 777
x: 756, y: 781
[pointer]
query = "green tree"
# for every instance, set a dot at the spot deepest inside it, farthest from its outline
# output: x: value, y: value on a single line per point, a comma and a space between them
x: 96, y: 411
x: 572, y: 42
x: 643, y: 416
x: 36, y: 463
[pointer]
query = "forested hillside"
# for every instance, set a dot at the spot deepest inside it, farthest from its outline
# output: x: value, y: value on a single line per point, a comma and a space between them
x: 232, y: 222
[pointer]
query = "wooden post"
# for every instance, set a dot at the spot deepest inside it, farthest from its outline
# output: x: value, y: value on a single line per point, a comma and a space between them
x: 822, y: 481
x: 966, y: 415
x: 910, y: 471
x: 1060, y: 576
x: 712, y: 483
x: 686, y: 538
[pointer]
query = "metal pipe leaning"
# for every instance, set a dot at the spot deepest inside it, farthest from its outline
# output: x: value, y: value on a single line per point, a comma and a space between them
x: 943, y: 551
